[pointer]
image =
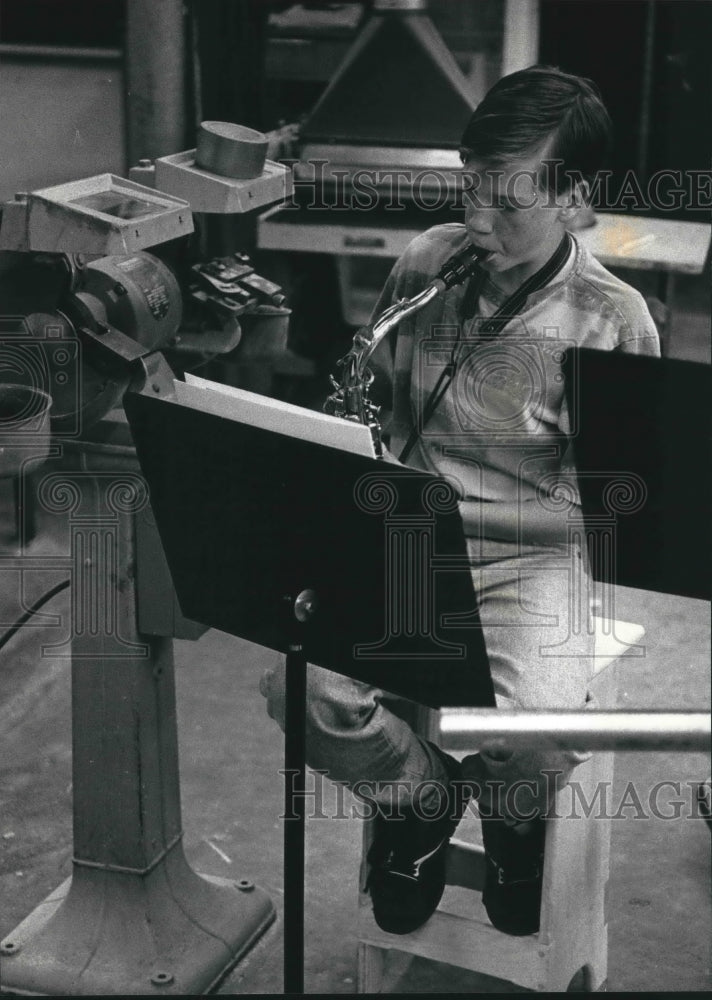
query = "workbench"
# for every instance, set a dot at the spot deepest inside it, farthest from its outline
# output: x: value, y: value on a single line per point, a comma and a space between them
x: 667, y: 246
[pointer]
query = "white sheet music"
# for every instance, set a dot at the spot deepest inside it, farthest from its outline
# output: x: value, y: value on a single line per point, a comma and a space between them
x: 274, y: 415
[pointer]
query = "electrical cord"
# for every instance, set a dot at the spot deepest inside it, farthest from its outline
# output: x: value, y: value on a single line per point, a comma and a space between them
x: 32, y: 610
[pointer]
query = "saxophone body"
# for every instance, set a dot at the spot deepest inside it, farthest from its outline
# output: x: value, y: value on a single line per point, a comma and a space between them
x: 351, y: 397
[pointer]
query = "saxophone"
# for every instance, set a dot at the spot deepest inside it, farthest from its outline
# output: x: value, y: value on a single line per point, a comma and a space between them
x: 350, y: 400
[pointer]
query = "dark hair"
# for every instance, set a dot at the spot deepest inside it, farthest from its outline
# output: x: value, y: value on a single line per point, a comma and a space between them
x: 525, y: 109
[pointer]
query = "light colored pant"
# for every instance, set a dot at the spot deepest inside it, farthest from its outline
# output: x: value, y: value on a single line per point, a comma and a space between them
x: 533, y: 605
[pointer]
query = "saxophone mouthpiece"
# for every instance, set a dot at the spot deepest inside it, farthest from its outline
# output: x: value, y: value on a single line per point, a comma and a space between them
x: 461, y: 265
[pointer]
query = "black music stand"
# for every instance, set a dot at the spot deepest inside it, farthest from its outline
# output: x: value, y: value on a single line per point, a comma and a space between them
x: 336, y: 559
x: 641, y: 436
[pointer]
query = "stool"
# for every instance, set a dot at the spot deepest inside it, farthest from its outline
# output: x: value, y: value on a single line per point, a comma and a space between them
x: 570, y: 950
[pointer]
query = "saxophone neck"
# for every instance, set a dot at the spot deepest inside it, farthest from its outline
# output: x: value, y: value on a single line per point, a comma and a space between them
x: 394, y: 315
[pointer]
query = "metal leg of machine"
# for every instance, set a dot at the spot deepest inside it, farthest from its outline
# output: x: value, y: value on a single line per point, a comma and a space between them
x: 134, y: 918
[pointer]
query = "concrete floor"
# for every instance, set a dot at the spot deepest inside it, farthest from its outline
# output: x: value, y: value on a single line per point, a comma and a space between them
x: 231, y: 753
x: 230, y: 756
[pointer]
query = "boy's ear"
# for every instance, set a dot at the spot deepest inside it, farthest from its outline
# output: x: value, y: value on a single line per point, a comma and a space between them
x: 576, y: 199
x: 581, y: 193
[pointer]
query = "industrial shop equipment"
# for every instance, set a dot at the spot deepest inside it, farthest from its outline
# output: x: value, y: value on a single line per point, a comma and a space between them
x: 87, y: 308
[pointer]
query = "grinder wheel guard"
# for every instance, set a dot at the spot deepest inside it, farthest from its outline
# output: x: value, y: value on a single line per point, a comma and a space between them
x: 48, y: 298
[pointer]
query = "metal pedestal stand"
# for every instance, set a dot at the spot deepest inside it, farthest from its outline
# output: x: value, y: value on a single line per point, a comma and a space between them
x: 134, y: 918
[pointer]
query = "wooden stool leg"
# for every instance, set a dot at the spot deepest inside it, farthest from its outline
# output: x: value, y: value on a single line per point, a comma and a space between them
x: 574, y: 929
x: 371, y: 966
x: 586, y: 981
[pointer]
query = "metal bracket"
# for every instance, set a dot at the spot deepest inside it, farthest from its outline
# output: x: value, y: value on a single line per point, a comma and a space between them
x: 113, y: 345
x: 153, y: 376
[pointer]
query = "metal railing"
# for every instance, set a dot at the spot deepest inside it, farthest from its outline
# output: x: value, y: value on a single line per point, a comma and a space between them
x: 468, y: 729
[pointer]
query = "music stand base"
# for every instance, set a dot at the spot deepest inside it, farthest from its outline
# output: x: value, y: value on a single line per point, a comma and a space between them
x: 170, y: 931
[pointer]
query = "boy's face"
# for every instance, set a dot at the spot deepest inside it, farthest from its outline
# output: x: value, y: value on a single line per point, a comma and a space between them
x: 508, y: 213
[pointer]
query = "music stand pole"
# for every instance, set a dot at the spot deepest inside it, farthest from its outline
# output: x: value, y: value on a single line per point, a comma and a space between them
x: 300, y: 611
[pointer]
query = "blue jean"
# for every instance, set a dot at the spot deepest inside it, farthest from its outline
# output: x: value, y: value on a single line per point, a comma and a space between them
x: 533, y: 605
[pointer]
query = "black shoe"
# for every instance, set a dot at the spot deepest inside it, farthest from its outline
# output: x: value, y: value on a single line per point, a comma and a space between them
x: 513, y: 879
x: 408, y: 855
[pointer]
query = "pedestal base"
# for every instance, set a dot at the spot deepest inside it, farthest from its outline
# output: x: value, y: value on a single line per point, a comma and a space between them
x: 170, y: 931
